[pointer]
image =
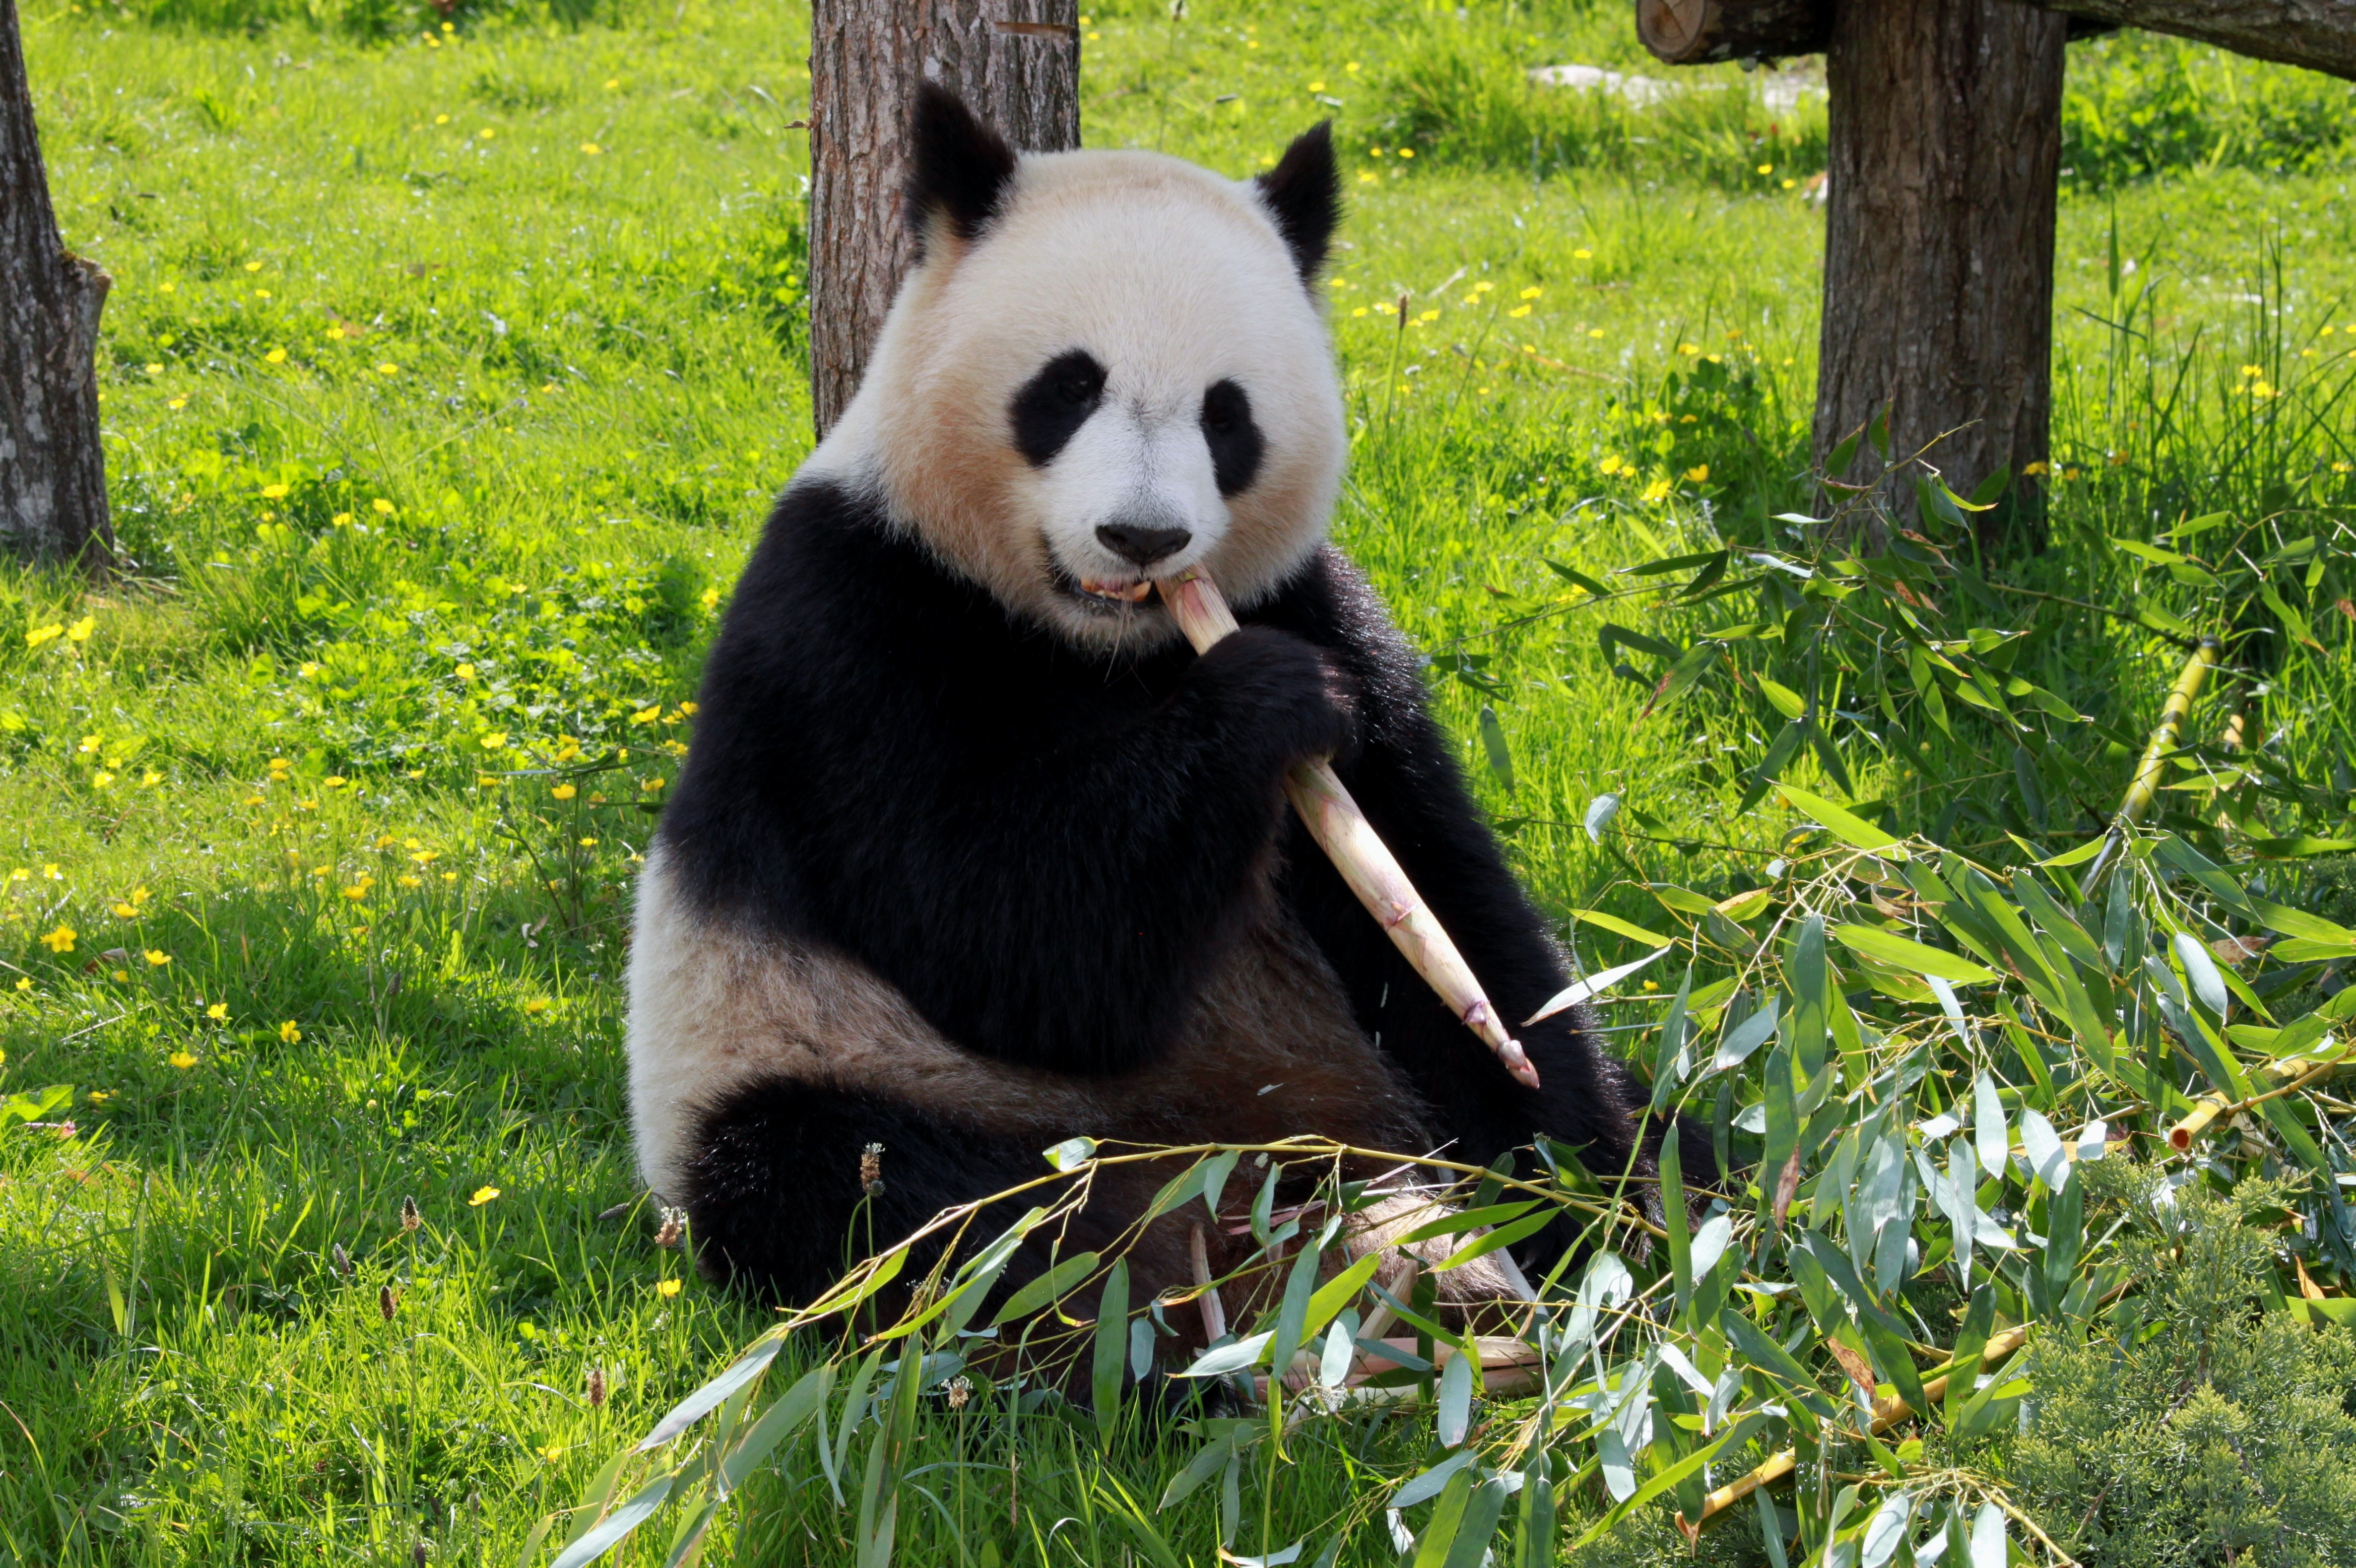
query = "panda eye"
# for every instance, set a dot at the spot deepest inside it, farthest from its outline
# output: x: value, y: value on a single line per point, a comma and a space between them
x: 1049, y: 409
x: 1234, y: 439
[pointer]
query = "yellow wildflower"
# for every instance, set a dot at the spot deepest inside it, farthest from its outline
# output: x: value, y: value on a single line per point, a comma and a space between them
x: 564, y: 791
x: 79, y: 631
x: 218, y: 1012
x: 483, y: 1195
x: 182, y: 1059
x: 667, y: 1289
x: 290, y: 1033
x: 156, y: 958
x: 38, y: 635
x: 60, y: 941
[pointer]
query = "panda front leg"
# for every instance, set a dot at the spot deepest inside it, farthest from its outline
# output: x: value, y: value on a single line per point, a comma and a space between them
x: 787, y: 1184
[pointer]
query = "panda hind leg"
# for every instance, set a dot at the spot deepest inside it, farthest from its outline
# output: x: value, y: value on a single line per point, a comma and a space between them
x: 774, y: 1183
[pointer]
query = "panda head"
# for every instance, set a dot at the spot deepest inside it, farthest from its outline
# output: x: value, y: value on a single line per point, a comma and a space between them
x: 1105, y: 368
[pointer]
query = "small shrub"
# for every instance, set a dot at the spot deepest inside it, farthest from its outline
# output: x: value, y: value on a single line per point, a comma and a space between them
x: 2195, y: 1428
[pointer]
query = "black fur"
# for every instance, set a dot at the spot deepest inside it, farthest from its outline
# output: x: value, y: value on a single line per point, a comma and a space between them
x: 1042, y: 850
x: 1053, y: 405
x: 1304, y: 193
x: 1235, y: 440
x: 958, y: 168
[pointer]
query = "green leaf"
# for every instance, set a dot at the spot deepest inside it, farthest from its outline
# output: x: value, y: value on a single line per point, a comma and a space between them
x: 1335, y: 1293
x: 1056, y: 1283
x: 1688, y: 669
x: 1461, y: 1221
x: 1624, y: 928
x: 1784, y: 700
x: 1111, y: 1347
x: 1493, y: 741
x: 1235, y: 1358
x: 1293, y: 1312
x: 1729, y: 1441
x: 2292, y: 922
x: 1850, y: 829
x: 1505, y: 1236
x: 608, y: 1532
x: 707, y: 1398
x: 1810, y: 1003
x: 1071, y: 1154
x: 1871, y: 942
x: 1577, y: 579
x: 779, y: 1422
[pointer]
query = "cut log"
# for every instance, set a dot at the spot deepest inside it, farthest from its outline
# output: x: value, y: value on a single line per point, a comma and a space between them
x: 1702, y: 32
x: 53, y: 468
x: 1016, y: 63
x: 1943, y: 167
x: 2318, y: 34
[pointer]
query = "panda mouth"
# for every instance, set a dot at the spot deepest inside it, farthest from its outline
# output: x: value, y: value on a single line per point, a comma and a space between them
x: 1101, y: 595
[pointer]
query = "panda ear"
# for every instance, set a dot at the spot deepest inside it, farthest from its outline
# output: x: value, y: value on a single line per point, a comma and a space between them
x: 958, y: 168
x: 1304, y: 193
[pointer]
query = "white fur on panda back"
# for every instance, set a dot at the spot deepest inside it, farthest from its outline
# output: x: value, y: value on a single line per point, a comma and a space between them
x: 715, y: 1007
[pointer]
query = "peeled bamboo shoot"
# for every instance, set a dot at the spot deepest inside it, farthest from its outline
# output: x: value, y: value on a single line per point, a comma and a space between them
x: 1364, y: 862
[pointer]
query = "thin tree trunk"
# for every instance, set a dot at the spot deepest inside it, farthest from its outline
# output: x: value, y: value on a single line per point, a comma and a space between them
x: 1016, y: 63
x: 1943, y: 167
x: 53, y: 468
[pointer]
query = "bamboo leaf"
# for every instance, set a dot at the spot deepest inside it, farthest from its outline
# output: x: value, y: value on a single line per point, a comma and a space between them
x: 1593, y: 985
x: 1843, y: 825
x: 1056, y: 1283
x: 1624, y: 928
x: 707, y: 1398
x: 1871, y: 942
x: 609, y: 1531
x: 1111, y: 1347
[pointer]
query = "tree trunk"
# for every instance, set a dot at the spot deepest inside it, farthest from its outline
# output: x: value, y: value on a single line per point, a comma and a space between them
x: 1016, y: 63
x: 1943, y: 165
x: 52, y: 469
x: 2318, y: 34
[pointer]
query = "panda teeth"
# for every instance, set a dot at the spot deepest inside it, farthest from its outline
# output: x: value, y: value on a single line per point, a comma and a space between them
x: 1124, y: 593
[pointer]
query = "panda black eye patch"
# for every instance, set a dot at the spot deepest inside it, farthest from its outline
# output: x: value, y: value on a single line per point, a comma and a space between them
x: 1234, y: 441
x: 1053, y: 405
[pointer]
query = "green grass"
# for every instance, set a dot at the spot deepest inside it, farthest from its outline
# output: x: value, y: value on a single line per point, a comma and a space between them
x: 435, y: 439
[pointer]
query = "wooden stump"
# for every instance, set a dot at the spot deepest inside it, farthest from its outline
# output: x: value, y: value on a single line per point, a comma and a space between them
x: 52, y: 466
x: 1016, y: 63
x: 1942, y: 172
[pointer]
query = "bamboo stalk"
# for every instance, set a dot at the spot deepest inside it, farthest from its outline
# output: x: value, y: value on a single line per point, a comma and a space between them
x: 1888, y: 1411
x: 1367, y: 864
x: 2145, y: 786
x: 2214, y: 1106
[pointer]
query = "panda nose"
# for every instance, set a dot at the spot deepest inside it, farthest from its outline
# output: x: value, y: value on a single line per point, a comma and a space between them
x: 1140, y: 544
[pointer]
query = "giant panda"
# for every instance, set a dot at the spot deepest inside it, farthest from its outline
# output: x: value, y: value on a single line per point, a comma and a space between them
x: 971, y: 852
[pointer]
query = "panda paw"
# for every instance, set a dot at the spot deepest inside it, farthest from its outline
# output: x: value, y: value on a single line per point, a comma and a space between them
x: 1294, y: 696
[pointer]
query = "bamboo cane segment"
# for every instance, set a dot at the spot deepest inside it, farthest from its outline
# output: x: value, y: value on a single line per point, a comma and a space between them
x: 1367, y: 864
x: 1888, y: 1411
x: 2145, y: 787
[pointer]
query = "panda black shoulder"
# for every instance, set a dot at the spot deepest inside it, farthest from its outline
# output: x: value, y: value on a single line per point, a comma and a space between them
x: 832, y: 613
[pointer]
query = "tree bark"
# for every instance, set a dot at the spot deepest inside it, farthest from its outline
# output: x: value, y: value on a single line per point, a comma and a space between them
x: 1943, y: 167
x: 1699, y: 32
x: 53, y: 468
x: 1016, y: 63
x: 2318, y: 34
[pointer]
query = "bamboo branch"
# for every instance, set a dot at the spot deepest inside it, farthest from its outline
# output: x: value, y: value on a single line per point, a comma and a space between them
x: 2215, y: 1107
x: 1888, y: 1411
x: 1359, y: 854
x: 2145, y: 787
